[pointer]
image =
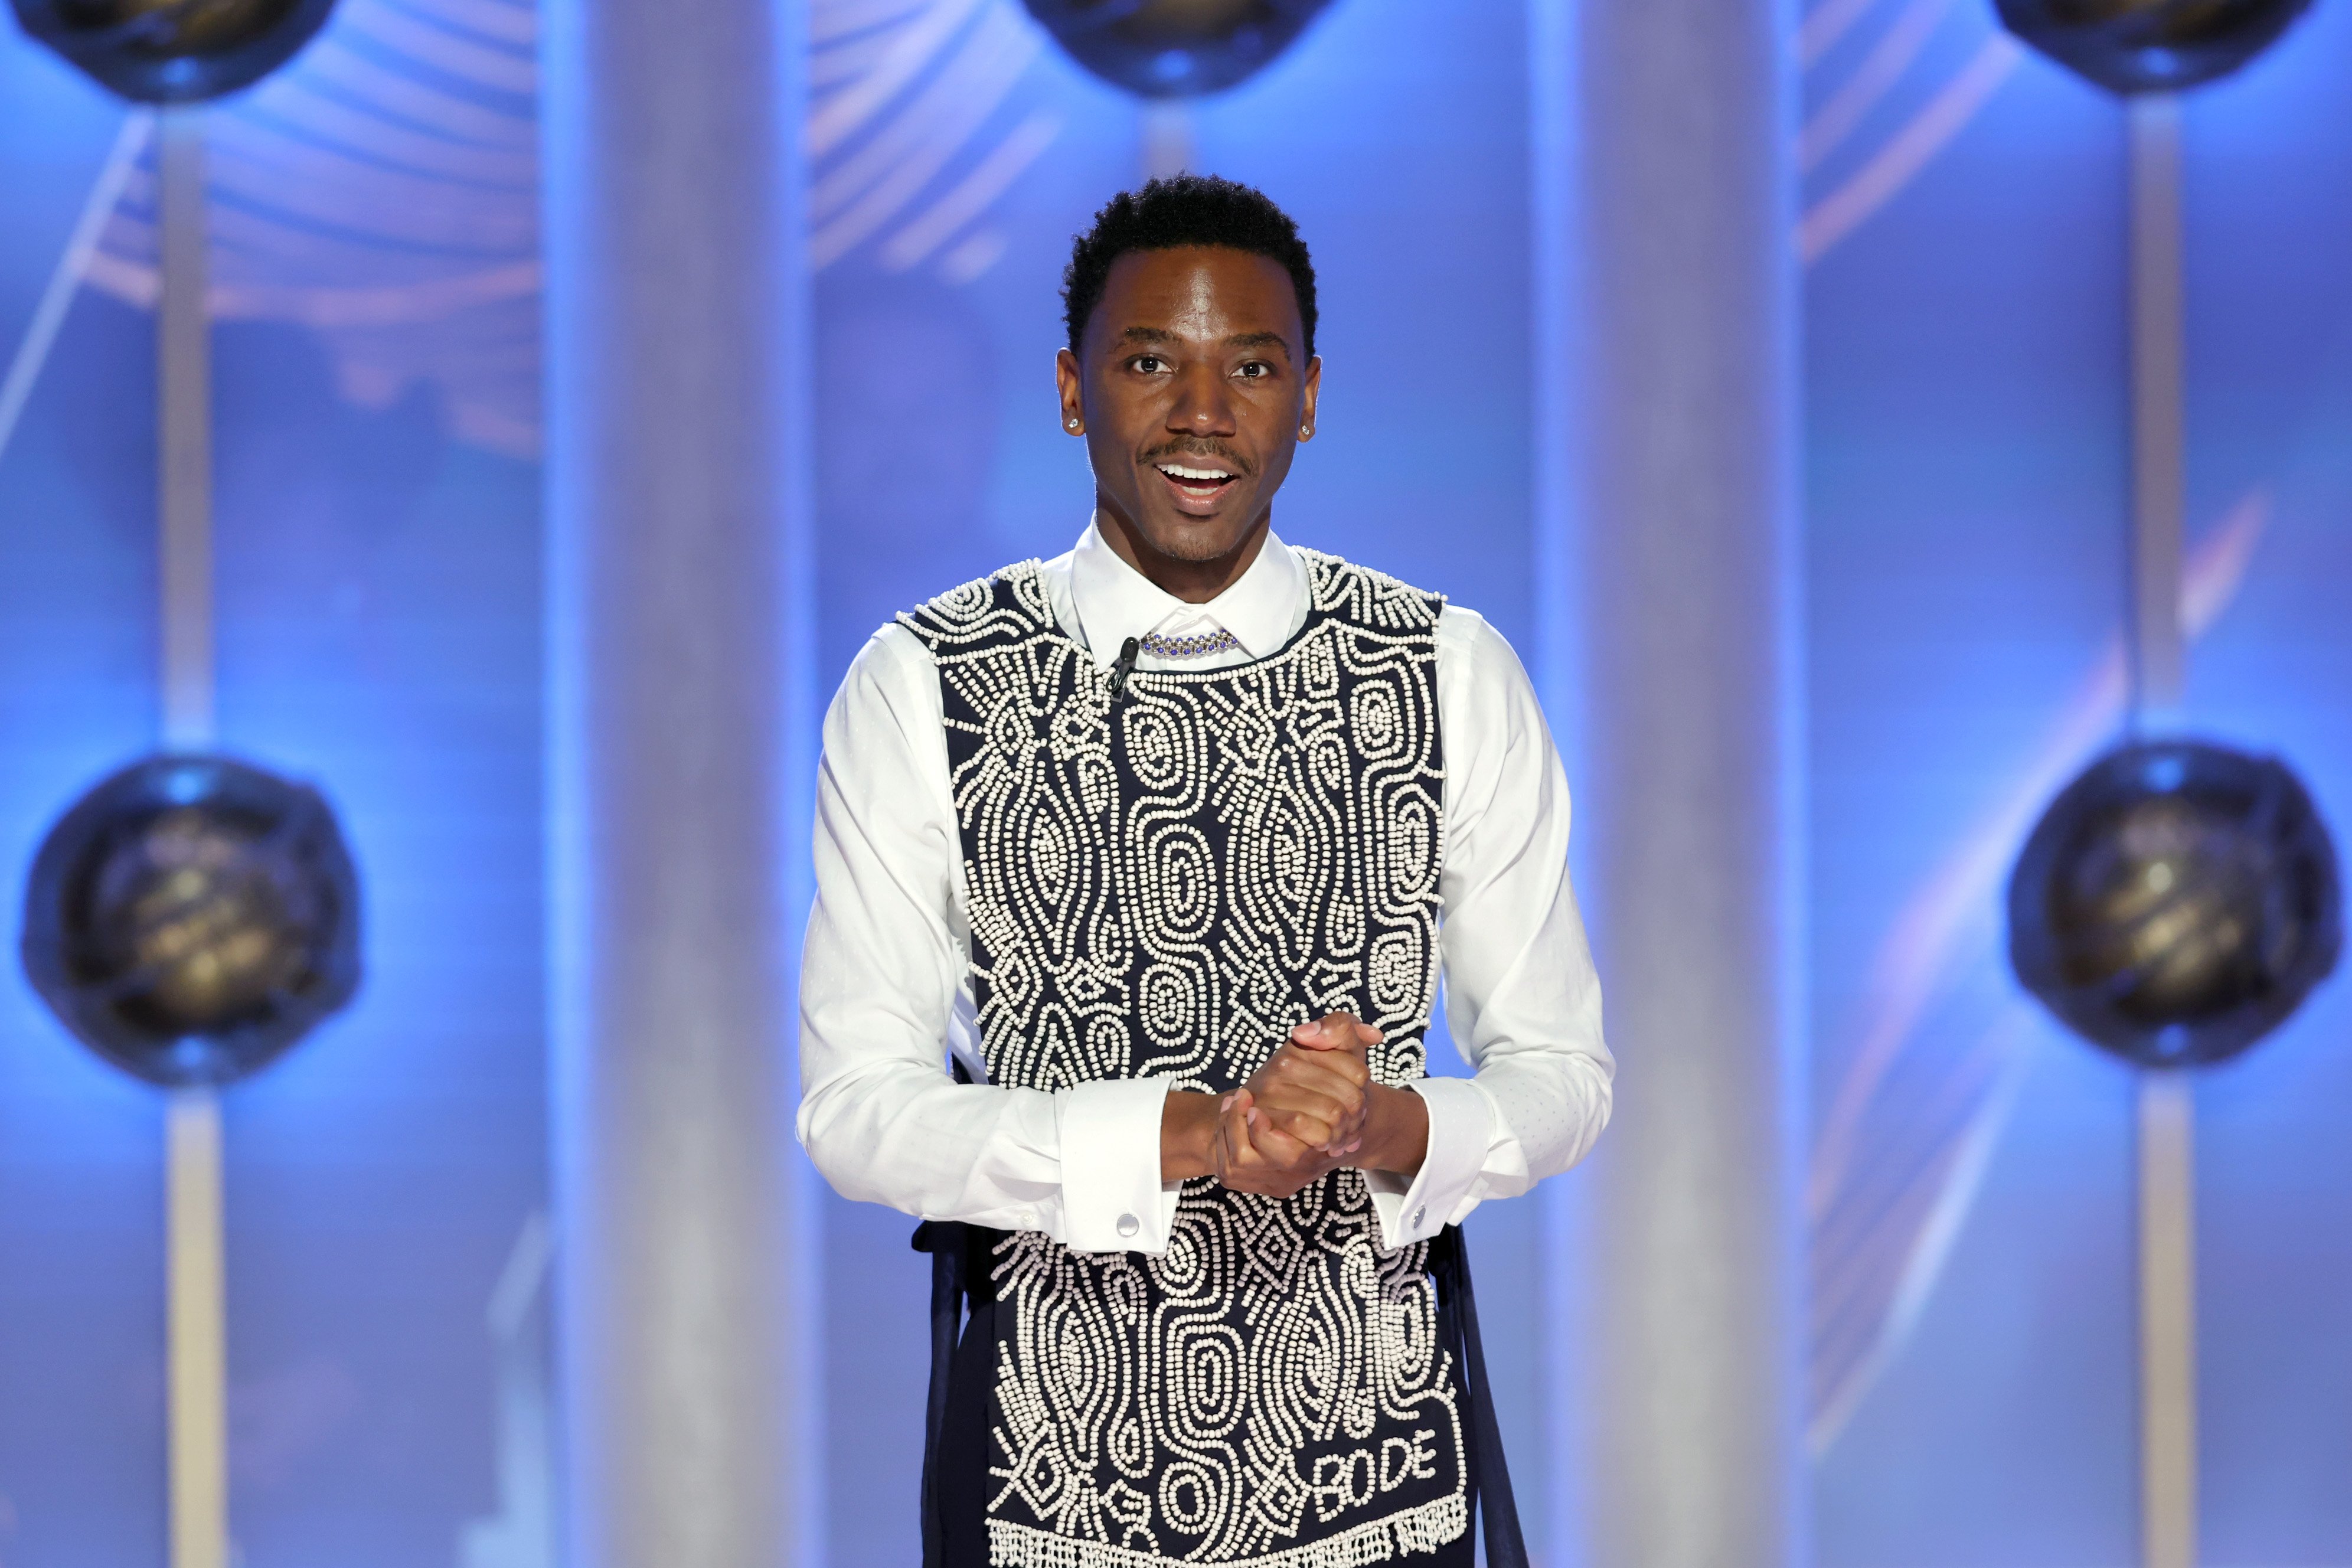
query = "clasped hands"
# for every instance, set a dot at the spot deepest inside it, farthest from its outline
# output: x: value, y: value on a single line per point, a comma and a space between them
x: 1312, y: 1109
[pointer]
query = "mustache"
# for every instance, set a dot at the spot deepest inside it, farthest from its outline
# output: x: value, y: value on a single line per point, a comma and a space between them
x: 1218, y: 450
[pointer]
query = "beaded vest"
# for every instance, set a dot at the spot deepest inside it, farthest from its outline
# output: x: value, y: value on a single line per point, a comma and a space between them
x: 1162, y: 881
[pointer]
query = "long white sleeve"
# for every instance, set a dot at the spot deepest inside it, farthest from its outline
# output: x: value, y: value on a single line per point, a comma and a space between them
x: 1522, y: 1001
x: 885, y: 991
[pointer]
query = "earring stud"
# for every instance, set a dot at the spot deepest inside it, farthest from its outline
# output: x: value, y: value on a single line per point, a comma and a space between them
x: 1071, y: 423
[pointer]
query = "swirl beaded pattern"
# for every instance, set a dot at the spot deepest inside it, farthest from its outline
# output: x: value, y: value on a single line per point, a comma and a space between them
x: 1162, y: 886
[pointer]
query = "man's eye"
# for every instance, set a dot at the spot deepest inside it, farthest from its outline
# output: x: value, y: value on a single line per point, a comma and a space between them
x: 1255, y: 370
x: 1150, y: 364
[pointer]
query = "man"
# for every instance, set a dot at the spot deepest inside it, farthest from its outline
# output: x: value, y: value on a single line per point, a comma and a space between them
x: 1165, y: 842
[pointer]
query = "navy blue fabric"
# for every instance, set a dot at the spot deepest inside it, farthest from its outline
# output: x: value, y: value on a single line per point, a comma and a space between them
x: 1490, y: 1474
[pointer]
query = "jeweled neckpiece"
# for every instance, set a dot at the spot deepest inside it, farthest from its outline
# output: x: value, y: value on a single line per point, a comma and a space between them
x: 1200, y: 645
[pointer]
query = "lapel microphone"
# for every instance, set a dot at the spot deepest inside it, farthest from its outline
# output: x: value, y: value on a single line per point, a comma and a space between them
x: 1123, y: 669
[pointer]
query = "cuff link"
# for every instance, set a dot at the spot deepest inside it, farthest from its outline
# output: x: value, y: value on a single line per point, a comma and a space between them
x: 1129, y: 1224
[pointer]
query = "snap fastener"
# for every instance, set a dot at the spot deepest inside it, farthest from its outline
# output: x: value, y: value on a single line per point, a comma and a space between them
x: 1129, y: 1224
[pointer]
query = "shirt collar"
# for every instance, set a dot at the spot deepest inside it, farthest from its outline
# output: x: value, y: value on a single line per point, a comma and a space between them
x: 1114, y: 602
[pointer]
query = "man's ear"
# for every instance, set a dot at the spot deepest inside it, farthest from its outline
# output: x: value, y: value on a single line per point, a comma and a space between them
x: 1072, y: 387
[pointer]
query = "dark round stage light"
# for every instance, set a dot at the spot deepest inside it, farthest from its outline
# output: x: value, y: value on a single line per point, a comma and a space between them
x: 174, y: 51
x: 1175, y: 48
x: 2176, y: 902
x: 2150, y: 46
x: 191, y: 917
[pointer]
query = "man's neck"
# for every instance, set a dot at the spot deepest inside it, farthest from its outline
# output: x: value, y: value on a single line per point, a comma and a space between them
x: 1194, y: 582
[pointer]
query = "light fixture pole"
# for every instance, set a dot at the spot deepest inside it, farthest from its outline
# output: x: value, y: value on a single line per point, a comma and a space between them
x: 197, y: 1291
x: 2166, y: 1104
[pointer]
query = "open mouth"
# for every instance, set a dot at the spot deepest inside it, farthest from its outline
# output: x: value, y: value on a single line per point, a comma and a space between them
x: 1196, y: 482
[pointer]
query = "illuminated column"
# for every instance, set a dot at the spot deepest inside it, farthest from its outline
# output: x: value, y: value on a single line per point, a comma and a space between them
x: 1663, y: 132
x: 678, y: 716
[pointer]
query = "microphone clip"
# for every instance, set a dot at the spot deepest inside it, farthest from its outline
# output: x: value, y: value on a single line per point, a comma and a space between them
x: 1123, y: 669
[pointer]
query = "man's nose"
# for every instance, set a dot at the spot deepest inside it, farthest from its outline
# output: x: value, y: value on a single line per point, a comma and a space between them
x: 1204, y: 404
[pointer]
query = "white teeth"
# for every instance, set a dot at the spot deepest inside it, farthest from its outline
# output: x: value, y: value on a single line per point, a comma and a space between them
x: 1179, y: 471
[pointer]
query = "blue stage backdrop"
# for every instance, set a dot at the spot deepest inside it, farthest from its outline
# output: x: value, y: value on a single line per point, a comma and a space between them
x: 1971, y: 1356
x: 379, y: 635
x: 81, y: 1279
x: 1974, y: 1355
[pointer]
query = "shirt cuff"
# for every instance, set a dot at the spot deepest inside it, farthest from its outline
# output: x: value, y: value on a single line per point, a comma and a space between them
x: 1112, y: 1197
x: 1445, y: 1189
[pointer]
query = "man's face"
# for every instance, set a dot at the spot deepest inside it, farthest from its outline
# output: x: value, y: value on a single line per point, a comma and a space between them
x: 1191, y: 386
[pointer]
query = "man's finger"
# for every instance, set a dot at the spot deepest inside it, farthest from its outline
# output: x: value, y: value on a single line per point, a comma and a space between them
x: 1233, y: 1150
x: 1301, y: 1116
x: 1336, y: 1032
x: 1331, y: 1032
x: 1347, y: 1065
x: 1231, y: 1115
x: 1311, y: 1122
x: 1326, y: 1103
x: 1277, y: 1147
x: 1311, y: 1128
x: 1298, y: 1090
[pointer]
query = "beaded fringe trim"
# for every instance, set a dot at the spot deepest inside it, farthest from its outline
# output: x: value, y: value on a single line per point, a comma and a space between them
x: 1418, y: 1530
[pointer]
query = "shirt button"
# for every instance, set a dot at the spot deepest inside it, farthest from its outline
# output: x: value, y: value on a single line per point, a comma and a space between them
x: 1419, y: 1214
x: 1129, y: 1224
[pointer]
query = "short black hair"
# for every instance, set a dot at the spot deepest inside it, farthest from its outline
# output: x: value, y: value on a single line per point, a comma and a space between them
x: 1181, y: 210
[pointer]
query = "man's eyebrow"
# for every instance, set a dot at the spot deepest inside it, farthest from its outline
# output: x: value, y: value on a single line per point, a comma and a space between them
x: 1259, y: 341
x: 1148, y: 335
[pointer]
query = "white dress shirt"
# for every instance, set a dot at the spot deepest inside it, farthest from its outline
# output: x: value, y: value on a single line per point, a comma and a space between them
x: 886, y: 981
